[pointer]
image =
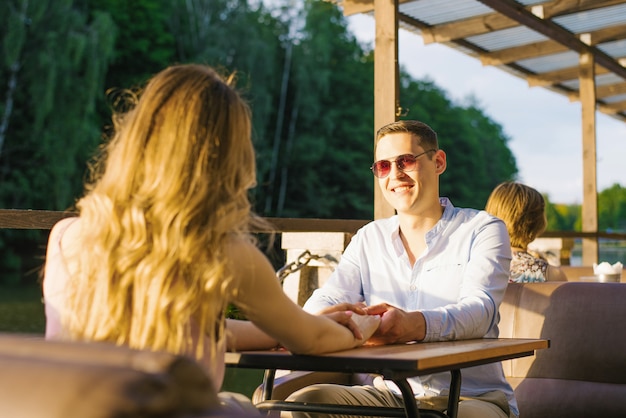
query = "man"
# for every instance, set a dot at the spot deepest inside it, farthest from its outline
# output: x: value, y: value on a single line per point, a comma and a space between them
x: 433, y: 272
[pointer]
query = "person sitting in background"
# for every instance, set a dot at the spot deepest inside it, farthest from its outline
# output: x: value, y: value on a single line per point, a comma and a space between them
x: 522, y: 209
x: 161, y: 245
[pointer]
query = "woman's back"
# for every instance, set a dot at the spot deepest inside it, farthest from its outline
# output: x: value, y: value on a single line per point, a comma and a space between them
x: 161, y: 246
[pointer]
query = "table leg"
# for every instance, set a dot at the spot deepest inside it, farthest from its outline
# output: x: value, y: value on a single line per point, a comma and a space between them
x: 410, y: 404
x: 455, y: 393
x: 268, y: 384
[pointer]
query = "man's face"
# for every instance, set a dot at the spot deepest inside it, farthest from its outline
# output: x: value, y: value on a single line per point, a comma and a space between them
x: 409, y: 191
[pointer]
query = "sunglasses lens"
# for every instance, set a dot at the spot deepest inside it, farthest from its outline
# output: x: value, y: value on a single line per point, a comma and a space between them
x: 406, y: 162
x: 381, y: 168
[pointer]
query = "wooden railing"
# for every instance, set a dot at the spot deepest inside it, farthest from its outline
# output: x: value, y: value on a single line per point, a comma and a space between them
x: 320, y: 238
x: 45, y: 219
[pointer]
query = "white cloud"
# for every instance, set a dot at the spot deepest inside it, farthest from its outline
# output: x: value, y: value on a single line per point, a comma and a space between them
x: 544, y: 127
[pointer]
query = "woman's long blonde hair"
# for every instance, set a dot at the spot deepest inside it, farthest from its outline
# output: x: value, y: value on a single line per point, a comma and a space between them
x: 168, y: 190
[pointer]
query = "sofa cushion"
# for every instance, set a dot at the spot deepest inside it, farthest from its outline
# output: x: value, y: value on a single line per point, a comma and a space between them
x: 583, y: 321
x: 552, y: 398
x: 54, y: 379
x: 582, y: 373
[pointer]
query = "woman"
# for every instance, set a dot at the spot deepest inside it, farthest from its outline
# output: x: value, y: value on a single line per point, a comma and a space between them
x: 522, y: 209
x: 161, y: 244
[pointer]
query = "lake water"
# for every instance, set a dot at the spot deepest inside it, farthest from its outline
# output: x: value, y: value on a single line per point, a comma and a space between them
x: 609, y: 253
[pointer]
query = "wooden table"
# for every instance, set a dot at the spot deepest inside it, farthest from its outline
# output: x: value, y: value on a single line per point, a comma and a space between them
x: 394, y: 362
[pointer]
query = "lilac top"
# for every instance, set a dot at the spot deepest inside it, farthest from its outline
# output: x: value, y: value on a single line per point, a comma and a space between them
x: 55, y: 283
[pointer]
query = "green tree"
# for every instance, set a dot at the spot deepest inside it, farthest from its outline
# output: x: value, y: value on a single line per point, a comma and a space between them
x: 326, y: 135
x: 143, y: 45
x: 308, y: 80
x: 612, y: 209
x: 476, y: 147
x: 58, y: 67
x: 54, y: 59
x: 562, y: 217
x: 234, y: 36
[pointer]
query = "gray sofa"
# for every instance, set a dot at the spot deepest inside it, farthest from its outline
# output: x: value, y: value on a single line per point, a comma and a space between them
x: 46, y: 379
x: 583, y: 373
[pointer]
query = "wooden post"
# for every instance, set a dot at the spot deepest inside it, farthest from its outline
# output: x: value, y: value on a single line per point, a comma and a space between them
x: 325, y: 248
x: 386, y: 82
x: 590, y: 251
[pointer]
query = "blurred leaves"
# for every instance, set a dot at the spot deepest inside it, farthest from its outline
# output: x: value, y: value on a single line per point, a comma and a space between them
x: 307, y: 78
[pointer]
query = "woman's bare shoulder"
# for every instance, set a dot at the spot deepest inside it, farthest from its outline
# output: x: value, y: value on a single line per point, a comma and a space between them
x: 64, y: 228
x: 246, y: 258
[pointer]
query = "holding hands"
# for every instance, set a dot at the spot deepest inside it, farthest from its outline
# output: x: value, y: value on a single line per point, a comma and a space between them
x: 396, y: 325
x: 362, y: 326
x: 355, y: 318
x: 379, y: 324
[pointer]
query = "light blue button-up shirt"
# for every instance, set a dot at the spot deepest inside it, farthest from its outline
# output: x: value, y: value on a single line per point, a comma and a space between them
x: 458, y: 284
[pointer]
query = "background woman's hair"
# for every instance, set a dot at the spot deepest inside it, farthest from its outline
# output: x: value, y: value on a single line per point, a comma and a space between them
x: 522, y: 209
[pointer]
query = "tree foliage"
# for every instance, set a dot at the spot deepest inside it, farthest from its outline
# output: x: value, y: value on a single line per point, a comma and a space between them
x: 476, y: 146
x: 612, y: 209
x: 308, y: 80
x: 54, y: 60
x: 325, y: 138
x: 562, y: 217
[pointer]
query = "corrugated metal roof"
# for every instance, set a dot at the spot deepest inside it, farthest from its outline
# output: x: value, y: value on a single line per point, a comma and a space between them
x: 593, y: 19
x: 506, y: 38
x: 436, y: 12
x: 534, y: 39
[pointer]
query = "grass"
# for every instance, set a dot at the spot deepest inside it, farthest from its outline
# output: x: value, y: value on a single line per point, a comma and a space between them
x: 22, y: 311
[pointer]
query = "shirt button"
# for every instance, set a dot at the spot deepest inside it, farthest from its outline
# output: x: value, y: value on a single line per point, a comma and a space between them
x: 413, y: 287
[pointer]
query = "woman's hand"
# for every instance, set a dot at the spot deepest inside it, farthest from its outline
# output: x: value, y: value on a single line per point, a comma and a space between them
x: 357, y: 308
x: 362, y: 326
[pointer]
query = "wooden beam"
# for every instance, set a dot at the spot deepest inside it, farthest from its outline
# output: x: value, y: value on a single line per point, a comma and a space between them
x: 555, y: 77
x: 613, y: 108
x: 516, y: 11
x: 518, y: 53
x: 609, y: 90
x: 386, y: 82
x: 565, y: 7
x: 590, y: 187
x: 467, y: 27
x: 352, y: 7
x: 495, y: 21
x: 610, y: 34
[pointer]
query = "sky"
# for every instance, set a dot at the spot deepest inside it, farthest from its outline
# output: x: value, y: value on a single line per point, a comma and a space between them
x: 544, y: 127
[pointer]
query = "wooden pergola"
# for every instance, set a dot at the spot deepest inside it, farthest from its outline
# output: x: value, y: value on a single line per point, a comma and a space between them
x: 573, y: 47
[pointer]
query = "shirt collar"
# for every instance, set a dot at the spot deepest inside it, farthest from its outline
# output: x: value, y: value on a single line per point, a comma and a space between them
x: 448, y: 214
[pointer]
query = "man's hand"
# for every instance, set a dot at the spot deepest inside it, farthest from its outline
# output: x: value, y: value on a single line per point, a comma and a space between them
x: 396, y: 326
x: 362, y: 326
